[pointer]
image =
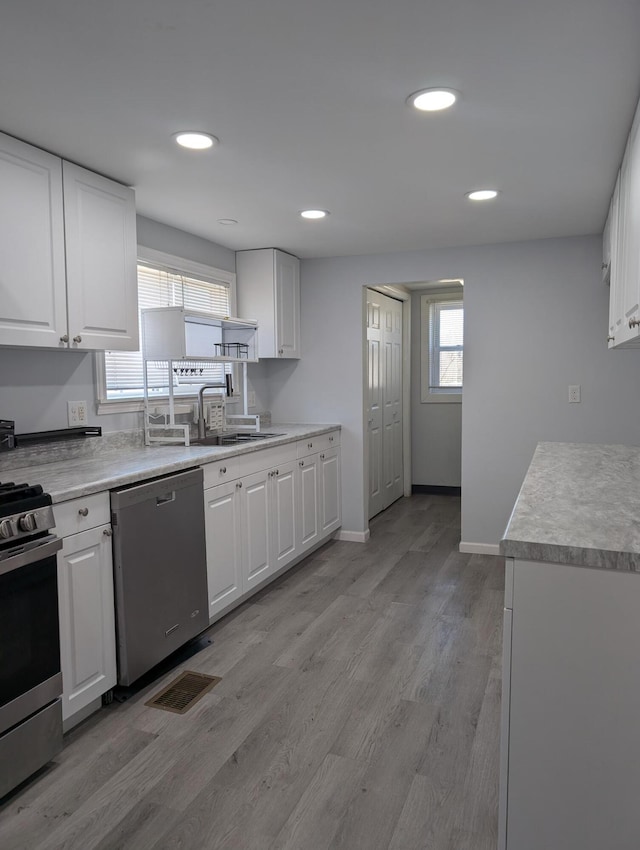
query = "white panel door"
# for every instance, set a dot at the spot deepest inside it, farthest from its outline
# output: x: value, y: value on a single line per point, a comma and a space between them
x: 224, y: 545
x: 33, y: 307
x: 374, y: 402
x: 309, y: 510
x: 393, y: 484
x: 87, y: 618
x: 102, y: 290
x: 256, y: 543
x: 384, y: 401
x: 284, y: 502
x: 330, y: 490
x: 287, y: 282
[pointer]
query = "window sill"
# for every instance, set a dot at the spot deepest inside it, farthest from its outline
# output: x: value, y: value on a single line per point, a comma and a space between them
x: 442, y: 398
x: 137, y: 405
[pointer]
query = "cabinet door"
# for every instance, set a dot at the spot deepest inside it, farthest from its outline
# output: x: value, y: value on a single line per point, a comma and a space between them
x: 224, y: 545
x: 33, y: 308
x: 87, y: 621
x: 256, y: 539
x: 102, y: 290
x: 615, y: 280
x: 287, y: 288
x: 284, y: 499
x: 330, y: 487
x: 309, y: 510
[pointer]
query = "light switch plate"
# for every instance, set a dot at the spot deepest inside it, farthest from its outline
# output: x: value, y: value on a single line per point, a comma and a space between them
x: 574, y: 393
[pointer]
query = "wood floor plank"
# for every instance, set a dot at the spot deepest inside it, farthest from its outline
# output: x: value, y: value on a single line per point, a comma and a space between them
x: 256, y: 790
x: 358, y: 708
x: 323, y: 806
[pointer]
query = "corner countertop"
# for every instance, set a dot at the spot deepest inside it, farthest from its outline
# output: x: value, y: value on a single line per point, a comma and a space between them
x: 82, y: 476
x: 579, y: 504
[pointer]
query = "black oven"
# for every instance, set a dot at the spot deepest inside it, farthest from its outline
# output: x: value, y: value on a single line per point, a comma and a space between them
x: 30, y: 678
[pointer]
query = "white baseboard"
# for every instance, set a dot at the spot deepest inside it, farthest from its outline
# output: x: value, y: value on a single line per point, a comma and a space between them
x: 352, y: 536
x: 479, y: 548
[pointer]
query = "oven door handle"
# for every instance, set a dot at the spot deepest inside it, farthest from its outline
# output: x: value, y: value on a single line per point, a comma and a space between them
x: 30, y: 556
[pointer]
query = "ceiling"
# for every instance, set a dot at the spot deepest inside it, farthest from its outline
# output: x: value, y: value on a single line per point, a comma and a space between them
x: 308, y: 97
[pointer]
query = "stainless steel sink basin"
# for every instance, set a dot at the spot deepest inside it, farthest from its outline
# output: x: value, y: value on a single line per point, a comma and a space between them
x: 233, y: 438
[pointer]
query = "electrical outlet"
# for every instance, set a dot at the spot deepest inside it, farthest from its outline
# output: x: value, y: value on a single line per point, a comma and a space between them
x: 251, y: 399
x: 574, y: 393
x: 76, y: 413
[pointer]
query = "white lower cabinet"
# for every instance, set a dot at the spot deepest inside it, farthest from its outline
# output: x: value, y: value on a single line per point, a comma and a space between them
x: 329, y: 488
x: 224, y: 545
x: 309, y: 513
x: 87, y: 618
x: 284, y: 487
x: 570, y: 760
x: 256, y: 520
x: 278, y: 506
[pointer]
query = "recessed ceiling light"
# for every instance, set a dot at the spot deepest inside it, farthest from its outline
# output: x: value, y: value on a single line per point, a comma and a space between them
x: 314, y: 213
x: 196, y: 141
x: 227, y: 221
x: 482, y: 195
x: 431, y: 100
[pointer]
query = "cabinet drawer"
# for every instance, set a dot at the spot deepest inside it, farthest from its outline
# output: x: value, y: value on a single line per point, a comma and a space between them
x: 266, y: 458
x: 221, y: 471
x: 319, y: 443
x: 81, y: 514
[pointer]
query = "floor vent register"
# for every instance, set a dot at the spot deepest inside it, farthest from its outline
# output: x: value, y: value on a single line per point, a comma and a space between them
x: 184, y: 692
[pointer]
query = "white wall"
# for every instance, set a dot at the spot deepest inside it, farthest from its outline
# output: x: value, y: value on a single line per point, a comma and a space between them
x: 35, y: 385
x: 436, y: 429
x: 535, y: 321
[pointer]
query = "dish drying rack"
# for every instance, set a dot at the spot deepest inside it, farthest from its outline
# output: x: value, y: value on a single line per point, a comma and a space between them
x: 169, y: 430
x: 184, y: 343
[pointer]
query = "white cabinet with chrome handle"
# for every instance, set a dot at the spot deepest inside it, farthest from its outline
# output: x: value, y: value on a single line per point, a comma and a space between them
x: 69, y: 254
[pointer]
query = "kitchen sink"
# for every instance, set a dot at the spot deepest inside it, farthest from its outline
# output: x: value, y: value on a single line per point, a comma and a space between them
x: 233, y: 438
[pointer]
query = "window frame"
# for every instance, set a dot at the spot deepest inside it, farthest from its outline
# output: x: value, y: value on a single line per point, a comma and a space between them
x: 429, y: 395
x: 172, y: 262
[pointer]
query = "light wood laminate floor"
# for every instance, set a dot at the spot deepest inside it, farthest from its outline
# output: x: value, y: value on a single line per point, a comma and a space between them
x: 358, y: 709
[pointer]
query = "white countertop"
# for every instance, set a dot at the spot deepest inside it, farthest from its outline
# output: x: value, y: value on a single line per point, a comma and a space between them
x: 72, y: 478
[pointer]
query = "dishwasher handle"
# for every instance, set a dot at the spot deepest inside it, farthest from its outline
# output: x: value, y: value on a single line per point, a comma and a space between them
x: 166, y: 498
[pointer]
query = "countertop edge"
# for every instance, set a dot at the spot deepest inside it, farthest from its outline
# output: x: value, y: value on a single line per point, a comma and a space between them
x: 146, y: 466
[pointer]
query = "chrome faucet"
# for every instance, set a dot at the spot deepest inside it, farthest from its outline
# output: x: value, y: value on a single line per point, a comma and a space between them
x: 202, y: 428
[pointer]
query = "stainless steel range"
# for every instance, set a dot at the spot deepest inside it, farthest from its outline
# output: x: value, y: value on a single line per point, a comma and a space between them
x: 30, y: 678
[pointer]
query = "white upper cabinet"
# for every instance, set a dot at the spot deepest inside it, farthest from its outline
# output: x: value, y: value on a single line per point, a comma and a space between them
x: 268, y: 290
x: 33, y: 308
x: 624, y: 240
x: 68, y: 247
x: 102, y: 288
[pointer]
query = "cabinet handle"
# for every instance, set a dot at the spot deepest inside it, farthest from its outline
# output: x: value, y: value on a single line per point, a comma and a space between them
x: 64, y: 338
x: 223, y: 470
x: 107, y: 532
x: 604, y: 266
x: 633, y: 323
x: 281, y: 351
x: 309, y: 445
x: 611, y: 339
x: 322, y: 456
x: 77, y: 339
x: 238, y: 485
x: 277, y: 472
x: 300, y: 463
x: 83, y: 511
x: 330, y: 439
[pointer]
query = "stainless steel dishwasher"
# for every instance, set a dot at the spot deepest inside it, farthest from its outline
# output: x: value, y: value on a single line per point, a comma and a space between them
x: 160, y: 569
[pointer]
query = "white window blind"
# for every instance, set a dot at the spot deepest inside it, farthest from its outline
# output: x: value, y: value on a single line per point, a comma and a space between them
x: 446, y: 329
x: 163, y: 287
